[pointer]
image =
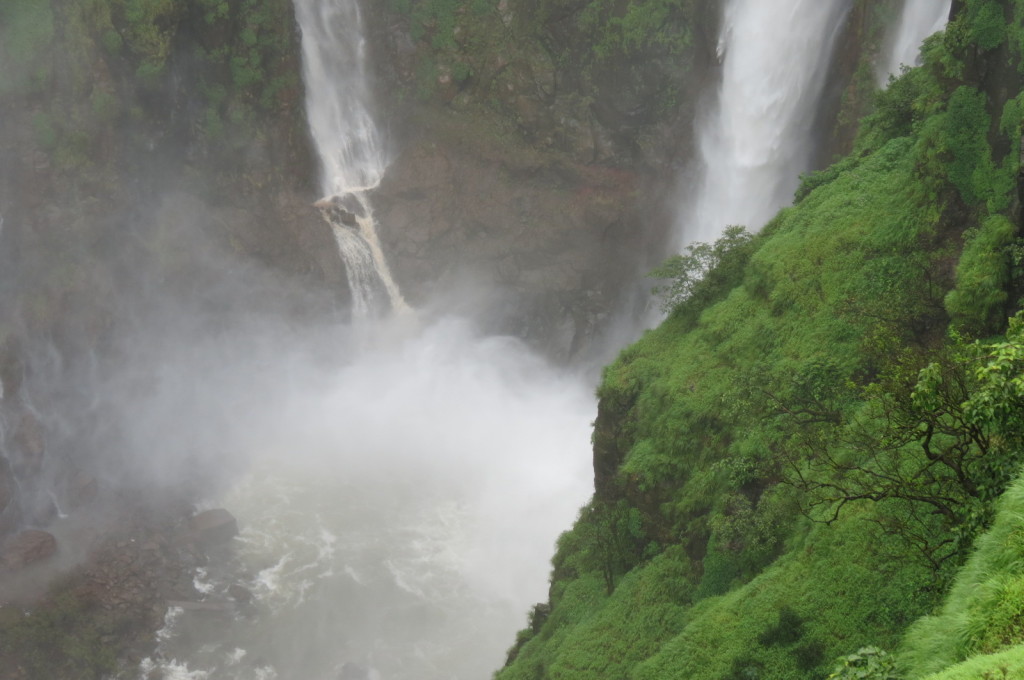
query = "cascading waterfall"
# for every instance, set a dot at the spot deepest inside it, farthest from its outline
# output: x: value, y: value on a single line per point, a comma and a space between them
x: 352, y: 160
x: 404, y: 494
x: 775, y: 58
x: 918, y: 20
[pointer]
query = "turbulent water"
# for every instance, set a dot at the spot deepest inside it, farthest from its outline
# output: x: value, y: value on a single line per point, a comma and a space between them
x: 918, y: 20
x: 401, y: 498
x: 757, y: 139
x: 398, y: 515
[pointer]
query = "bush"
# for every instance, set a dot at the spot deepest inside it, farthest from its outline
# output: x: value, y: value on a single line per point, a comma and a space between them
x: 868, y: 663
x: 705, y: 273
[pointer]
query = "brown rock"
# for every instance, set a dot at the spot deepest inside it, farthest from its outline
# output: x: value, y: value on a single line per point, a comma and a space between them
x: 27, y: 547
x: 28, y: 444
x: 214, y: 526
x: 6, y: 485
x: 82, y: 490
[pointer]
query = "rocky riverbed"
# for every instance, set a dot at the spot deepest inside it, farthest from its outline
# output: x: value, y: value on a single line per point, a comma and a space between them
x: 100, y: 615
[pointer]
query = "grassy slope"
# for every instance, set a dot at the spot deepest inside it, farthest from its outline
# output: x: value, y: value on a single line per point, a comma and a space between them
x: 697, y: 435
x: 701, y: 565
x: 984, y: 612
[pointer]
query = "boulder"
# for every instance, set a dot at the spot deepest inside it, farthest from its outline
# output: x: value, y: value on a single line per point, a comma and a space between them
x: 211, y: 527
x: 26, y: 548
x: 29, y: 445
x: 6, y: 485
x: 82, y: 490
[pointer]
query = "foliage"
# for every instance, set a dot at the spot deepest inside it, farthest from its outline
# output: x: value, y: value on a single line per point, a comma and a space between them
x: 927, y: 438
x: 438, y: 18
x: 705, y: 272
x: 63, y: 637
x: 984, y: 273
x: 644, y: 24
x: 982, y: 613
x: 867, y: 663
x: 26, y: 29
x: 899, y: 108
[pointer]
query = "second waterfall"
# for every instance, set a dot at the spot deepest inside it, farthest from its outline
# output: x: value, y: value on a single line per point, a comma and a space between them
x: 755, y: 141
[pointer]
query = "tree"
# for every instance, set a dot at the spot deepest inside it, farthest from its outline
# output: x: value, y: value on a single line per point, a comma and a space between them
x: 705, y: 272
x: 939, y: 443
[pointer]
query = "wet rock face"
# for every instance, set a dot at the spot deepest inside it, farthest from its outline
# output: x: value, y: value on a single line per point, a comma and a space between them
x: 6, y: 488
x: 212, y: 527
x: 82, y: 489
x: 27, y: 548
x: 554, y: 242
x: 28, y: 444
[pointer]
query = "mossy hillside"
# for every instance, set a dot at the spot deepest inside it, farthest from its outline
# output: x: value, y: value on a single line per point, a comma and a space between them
x: 700, y: 437
x: 731, y: 435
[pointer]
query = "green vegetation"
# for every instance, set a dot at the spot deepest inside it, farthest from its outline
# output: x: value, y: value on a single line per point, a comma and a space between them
x: 62, y: 637
x: 26, y: 29
x: 623, y: 32
x: 822, y: 437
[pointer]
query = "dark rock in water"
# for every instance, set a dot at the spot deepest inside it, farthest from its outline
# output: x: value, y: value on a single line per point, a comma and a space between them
x: 214, y: 526
x: 27, y: 548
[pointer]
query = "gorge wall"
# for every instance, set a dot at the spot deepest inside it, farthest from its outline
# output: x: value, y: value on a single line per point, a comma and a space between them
x: 156, y: 187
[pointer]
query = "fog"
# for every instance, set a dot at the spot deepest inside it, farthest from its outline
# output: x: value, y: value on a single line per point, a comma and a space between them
x: 399, y: 500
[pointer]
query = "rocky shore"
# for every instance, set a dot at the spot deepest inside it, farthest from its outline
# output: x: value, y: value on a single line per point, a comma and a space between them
x: 99, y: 616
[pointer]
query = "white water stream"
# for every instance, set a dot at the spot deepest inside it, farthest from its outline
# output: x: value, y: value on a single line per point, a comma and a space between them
x: 352, y: 160
x: 398, y: 514
x: 918, y: 20
x: 758, y: 139
x: 403, y: 497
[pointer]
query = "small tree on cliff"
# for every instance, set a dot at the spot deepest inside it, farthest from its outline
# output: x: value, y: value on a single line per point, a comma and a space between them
x: 704, y: 273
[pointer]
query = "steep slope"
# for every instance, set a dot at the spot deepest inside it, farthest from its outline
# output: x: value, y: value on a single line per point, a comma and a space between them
x: 794, y: 463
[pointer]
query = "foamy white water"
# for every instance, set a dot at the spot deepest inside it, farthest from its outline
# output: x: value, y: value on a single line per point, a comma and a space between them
x: 758, y: 139
x: 399, y: 514
x: 918, y: 20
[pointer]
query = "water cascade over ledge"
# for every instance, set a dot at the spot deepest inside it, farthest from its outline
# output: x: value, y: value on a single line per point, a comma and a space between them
x: 918, y: 20
x: 757, y: 139
x: 405, y: 477
x: 351, y: 156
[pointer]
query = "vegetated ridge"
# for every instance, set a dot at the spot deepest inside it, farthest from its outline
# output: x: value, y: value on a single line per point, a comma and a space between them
x: 811, y: 468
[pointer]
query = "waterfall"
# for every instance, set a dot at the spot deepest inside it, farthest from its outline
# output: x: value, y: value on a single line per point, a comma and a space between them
x: 775, y: 57
x: 404, y: 478
x: 919, y: 19
x: 352, y: 160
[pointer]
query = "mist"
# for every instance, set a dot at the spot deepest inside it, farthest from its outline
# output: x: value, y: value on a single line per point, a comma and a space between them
x: 399, y: 482
x: 399, y: 499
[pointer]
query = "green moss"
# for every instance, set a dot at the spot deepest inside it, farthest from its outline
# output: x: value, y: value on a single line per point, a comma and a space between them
x: 979, y: 301
x: 26, y: 29
x: 60, y: 638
